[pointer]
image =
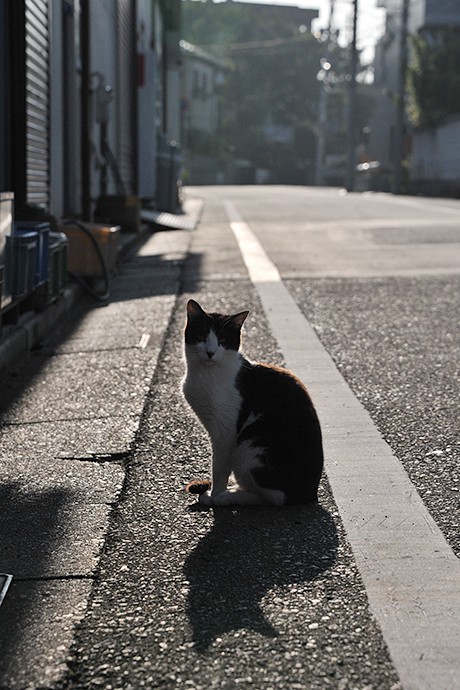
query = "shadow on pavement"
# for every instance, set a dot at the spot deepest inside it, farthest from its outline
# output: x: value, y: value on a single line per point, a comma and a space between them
x: 31, y: 528
x: 247, y: 553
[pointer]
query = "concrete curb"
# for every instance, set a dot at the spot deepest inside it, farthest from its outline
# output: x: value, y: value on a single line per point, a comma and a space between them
x: 27, y: 335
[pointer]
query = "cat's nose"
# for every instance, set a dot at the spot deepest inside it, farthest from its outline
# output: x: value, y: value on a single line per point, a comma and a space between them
x: 210, y: 354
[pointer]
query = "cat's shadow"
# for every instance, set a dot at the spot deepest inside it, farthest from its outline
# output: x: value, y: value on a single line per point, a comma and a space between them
x: 247, y: 552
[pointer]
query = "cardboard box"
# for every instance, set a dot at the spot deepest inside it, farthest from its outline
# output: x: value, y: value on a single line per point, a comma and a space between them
x: 124, y: 211
x: 83, y: 258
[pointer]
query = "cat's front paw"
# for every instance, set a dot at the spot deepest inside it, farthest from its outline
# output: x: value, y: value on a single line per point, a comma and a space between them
x: 206, y: 499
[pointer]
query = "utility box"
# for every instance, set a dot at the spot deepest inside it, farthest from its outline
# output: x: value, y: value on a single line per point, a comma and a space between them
x: 169, y: 163
x: 83, y: 258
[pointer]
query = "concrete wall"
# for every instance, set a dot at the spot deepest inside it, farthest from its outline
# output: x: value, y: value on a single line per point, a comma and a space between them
x: 149, y: 93
x: 103, y: 23
x: 435, y: 154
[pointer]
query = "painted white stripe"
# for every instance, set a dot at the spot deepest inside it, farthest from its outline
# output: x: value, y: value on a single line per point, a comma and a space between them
x: 144, y: 341
x: 411, y: 574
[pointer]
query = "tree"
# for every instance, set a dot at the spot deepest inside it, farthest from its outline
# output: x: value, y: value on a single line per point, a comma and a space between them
x: 434, y: 78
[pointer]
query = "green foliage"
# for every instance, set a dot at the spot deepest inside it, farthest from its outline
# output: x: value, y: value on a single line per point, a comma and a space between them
x: 434, y: 79
x: 271, y: 80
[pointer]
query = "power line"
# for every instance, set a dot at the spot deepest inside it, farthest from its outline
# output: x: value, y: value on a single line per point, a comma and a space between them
x: 254, y: 45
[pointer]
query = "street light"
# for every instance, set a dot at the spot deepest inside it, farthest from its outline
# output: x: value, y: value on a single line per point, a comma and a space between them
x: 323, y: 77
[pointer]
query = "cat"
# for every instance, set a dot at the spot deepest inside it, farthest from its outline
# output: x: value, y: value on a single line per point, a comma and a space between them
x: 262, y: 424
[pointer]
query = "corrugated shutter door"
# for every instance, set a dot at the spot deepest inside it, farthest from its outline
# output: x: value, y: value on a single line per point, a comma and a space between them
x: 37, y: 102
x: 125, y: 96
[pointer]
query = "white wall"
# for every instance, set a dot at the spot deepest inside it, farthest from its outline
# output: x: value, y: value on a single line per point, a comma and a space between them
x: 56, y: 112
x: 203, y: 113
x: 435, y: 154
x: 103, y: 47
x: 149, y: 97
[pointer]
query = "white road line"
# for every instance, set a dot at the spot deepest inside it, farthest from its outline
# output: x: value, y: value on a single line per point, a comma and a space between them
x: 411, y: 574
x: 144, y: 341
x: 413, y: 203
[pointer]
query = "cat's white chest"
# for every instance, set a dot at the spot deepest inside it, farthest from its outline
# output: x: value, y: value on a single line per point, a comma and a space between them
x: 211, y: 392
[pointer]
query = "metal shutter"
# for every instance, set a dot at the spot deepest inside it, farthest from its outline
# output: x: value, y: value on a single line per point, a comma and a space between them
x: 125, y: 95
x: 37, y: 102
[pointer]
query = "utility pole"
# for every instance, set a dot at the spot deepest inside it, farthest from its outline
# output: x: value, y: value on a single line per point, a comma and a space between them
x: 321, y: 140
x: 322, y: 106
x: 351, y: 144
x: 401, y: 101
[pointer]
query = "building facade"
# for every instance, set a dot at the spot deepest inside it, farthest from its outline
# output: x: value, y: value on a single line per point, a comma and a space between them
x: 90, y: 88
x: 425, y: 18
x: 202, y: 76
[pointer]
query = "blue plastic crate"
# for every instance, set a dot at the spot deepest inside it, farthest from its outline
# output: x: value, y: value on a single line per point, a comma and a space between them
x: 42, y: 255
x: 21, y: 262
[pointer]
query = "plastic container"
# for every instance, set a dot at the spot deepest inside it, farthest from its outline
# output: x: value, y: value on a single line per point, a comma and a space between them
x: 21, y: 262
x: 83, y: 259
x: 57, y: 266
x: 43, y: 232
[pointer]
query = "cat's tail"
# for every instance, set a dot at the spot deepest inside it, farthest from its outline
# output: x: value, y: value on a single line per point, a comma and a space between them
x: 198, y: 486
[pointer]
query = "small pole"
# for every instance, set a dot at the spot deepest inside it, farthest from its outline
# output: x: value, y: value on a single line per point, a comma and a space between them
x: 400, y: 105
x: 350, y: 172
x: 322, y: 121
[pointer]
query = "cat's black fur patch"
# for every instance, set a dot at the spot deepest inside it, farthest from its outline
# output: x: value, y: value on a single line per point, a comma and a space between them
x: 286, y: 428
x: 200, y: 324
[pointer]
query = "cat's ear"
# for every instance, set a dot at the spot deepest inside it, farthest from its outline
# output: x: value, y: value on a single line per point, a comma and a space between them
x: 194, y: 311
x: 238, y: 320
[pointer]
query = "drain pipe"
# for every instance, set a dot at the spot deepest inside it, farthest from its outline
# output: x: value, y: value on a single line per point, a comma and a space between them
x: 85, y: 110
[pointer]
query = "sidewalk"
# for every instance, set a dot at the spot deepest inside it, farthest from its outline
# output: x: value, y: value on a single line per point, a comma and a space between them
x: 68, y: 419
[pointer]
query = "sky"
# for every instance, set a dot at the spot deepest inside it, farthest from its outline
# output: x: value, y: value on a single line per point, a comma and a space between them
x: 370, y: 19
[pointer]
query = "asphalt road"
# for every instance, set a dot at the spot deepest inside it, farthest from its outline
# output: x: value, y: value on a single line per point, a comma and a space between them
x: 181, y: 597
x: 378, y: 277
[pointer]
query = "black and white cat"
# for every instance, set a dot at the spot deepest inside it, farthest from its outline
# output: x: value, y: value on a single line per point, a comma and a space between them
x: 261, y: 421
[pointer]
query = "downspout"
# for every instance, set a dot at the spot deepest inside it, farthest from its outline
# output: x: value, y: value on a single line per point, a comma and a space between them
x: 85, y: 110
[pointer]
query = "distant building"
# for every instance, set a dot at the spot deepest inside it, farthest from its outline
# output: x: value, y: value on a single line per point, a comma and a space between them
x: 426, y: 17
x: 202, y: 75
x: 206, y: 159
x: 90, y: 91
